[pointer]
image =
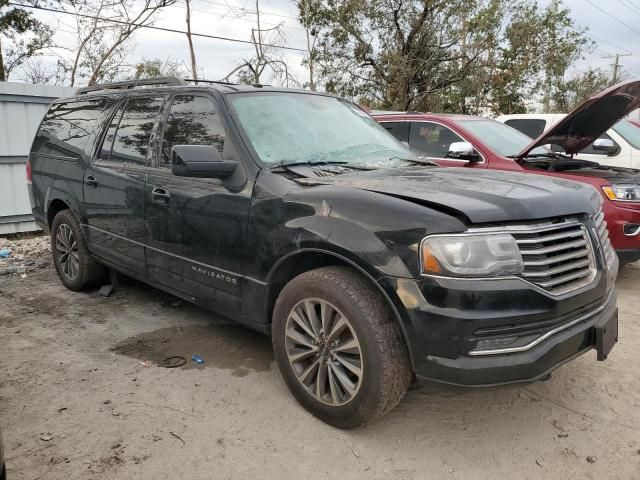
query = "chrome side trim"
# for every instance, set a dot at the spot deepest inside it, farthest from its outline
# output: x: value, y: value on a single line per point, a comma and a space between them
x: 543, y: 337
x: 205, y: 265
x: 635, y: 232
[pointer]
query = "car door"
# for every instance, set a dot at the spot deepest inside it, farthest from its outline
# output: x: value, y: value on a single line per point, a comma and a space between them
x: 114, y: 184
x: 621, y: 157
x: 432, y: 140
x: 196, y: 228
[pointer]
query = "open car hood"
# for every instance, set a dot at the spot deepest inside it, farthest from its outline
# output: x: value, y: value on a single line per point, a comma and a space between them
x: 589, y: 121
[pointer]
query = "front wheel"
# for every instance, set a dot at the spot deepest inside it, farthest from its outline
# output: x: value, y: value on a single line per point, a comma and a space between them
x: 338, y: 347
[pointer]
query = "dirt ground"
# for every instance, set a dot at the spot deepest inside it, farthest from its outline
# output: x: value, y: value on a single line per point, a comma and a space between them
x: 83, y: 395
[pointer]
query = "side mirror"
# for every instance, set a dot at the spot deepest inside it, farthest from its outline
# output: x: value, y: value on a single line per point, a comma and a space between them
x: 202, y: 161
x: 605, y: 145
x: 463, y: 151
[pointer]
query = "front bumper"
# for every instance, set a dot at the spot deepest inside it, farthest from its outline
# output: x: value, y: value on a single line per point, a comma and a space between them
x: 539, y: 332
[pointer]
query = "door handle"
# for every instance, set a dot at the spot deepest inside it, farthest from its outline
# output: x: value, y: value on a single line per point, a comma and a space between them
x: 160, y: 195
x: 91, y: 180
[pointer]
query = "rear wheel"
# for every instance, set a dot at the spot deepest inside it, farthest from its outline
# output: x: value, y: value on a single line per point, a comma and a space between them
x: 338, y: 347
x: 75, y: 266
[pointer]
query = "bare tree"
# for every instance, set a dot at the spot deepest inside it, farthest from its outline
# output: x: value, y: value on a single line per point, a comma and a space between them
x: 306, y: 9
x: 267, y: 58
x: 194, y: 67
x: 105, y: 34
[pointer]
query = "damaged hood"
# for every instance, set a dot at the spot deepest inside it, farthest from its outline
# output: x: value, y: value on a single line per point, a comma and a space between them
x: 480, y: 196
x: 589, y: 121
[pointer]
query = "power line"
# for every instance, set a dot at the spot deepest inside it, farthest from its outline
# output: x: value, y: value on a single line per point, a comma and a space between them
x: 222, y: 16
x: 616, y: 65
x: 630, y: 6
x: 245, y: 10
x: 607, y: 42
x: 611, y: 16
x: 153, y: 27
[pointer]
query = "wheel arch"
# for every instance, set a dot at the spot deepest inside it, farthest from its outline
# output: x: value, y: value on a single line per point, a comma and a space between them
x: 54, y: 207
x: 310, y: 258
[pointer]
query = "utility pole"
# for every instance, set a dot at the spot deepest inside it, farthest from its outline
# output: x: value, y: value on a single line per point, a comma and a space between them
x: 553, y: 7
x: 616, y: 66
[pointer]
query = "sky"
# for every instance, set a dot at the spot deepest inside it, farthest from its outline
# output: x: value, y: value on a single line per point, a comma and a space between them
x: 605, y: 22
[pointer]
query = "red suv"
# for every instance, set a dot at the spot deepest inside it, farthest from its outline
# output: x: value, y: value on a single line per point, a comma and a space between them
x: 475, y: 142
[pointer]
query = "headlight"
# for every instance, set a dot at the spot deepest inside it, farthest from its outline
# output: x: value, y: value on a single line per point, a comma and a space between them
x: 624, y: 193
x: 481, y: 255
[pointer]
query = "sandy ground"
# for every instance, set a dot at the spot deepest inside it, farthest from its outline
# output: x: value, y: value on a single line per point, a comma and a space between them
x: 77, y: 403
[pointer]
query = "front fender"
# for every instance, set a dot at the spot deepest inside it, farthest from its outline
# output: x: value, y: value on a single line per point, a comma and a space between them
x: 347, y: 239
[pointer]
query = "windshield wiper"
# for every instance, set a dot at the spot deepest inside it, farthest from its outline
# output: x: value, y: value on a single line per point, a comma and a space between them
x: 421, y: 161
x: 550, y: 155
x: 320, y: 163
x: 307, y: 163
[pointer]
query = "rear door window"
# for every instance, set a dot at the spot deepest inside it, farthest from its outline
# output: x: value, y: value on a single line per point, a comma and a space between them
x: 129, y: 134
x: 532, y: 127
x: 192, y: 120
x: 400, y: 130
x: 70, y: 128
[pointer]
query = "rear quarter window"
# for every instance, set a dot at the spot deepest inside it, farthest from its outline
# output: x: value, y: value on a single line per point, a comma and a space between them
x: 529, y: 126
x: 70, y: 129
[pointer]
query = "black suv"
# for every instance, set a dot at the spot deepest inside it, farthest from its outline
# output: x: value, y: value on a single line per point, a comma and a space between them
x: 296, y: 214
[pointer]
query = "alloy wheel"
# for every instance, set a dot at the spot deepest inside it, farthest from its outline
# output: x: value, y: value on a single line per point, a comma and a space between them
x: 67, y: 251
x: 324, y: 351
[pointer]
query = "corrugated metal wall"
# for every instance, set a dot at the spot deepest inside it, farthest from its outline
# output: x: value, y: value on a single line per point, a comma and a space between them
x: 22, y: 106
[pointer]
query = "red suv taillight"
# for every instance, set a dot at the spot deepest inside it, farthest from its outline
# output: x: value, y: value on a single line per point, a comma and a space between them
x: 28, y: 170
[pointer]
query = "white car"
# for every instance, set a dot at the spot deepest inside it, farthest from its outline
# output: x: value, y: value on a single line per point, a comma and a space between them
x: 618, y: 147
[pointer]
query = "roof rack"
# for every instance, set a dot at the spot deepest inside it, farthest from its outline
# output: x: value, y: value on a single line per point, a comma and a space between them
x: 392, y: 112
x: 156, y: 82
x: 214, y: 82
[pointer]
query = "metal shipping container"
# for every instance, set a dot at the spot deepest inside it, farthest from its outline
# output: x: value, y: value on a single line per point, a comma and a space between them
x: 22, y: 106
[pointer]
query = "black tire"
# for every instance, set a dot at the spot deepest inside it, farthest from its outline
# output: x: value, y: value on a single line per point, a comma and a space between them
x: 383, y: 355
x: 83, y: 272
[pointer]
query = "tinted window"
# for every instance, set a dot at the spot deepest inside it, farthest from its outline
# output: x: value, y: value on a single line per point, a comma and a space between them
x: 107, y: 143
x: 192, y: 120
x: 531, y: 127
x: 131, y: 142
x: 431, y: 139
x: 400, y: 130
x: 70, y: 128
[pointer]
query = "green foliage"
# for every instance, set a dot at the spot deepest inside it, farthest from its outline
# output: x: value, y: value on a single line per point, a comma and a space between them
x: 579, y: 88
x: 486, y: 56
x: 157, y: 68
x: 25, y: 35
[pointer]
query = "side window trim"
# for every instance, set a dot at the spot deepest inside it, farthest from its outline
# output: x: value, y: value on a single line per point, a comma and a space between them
x: 164, y: 120
x: 121, y: 106
x: 118, y: 107
x: 462, y: 137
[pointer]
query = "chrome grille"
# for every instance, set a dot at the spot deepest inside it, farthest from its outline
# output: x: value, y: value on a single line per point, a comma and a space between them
x: 557, y: 256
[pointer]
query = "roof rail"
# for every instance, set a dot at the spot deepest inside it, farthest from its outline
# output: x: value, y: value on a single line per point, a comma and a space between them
x: 156, y: 82
x: 215, y: 82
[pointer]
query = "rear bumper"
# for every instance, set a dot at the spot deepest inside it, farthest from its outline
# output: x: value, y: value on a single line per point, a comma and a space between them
x: 538, y: 333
